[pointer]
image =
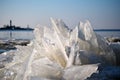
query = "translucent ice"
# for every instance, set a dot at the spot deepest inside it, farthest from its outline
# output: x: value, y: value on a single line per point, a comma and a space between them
x: 59, y: 53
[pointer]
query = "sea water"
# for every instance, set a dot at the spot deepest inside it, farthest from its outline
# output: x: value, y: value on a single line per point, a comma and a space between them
x: 17, y: 34
x: 28, y: 34
x: 106, y: 33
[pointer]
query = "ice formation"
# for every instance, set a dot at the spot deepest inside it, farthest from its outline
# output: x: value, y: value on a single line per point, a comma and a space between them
x: 59, y: 53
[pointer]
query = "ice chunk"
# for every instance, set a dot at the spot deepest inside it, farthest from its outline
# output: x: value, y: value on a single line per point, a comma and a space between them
x: 79, y: 72
x: 51, y: 46
x: 90, y: 41
x: 90, y: 58
x: 74, y: 36
x: 116, y: 49
x: 61, y: 31
x: 45, y: 68
x: 60, y: 27
x: 21, y: 64
x: 86, y: 33
x: 38, y: 33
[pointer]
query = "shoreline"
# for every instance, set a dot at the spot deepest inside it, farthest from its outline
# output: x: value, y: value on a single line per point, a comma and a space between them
x: 6, y: 45
x: 113, y: 39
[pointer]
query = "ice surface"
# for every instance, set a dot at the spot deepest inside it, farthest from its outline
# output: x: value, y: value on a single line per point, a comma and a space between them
x: 90, y: 41
x: 44, y: 68
x: 79, y: 72
x: 116, y: 49
x: 59, y: 53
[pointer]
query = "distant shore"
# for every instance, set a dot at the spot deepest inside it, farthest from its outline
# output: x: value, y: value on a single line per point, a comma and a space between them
x: 13, y: 27
x: 17, y: 30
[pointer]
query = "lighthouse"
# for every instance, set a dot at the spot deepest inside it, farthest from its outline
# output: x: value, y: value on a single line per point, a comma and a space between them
x: 10, y: 23
x: 11, y: 28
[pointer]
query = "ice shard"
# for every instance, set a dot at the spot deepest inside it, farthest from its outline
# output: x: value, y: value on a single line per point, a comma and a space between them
x: 79, y: 72
x: 90, y: 41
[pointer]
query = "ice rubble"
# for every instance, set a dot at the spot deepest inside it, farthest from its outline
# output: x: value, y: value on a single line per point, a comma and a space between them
x: 59, y: 53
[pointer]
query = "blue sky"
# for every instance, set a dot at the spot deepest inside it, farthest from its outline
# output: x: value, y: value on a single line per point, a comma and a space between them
x: 101, y: 13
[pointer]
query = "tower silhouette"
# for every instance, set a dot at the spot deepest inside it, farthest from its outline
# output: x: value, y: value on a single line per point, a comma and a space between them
x: 11, y: 28
x: 10, y: 22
